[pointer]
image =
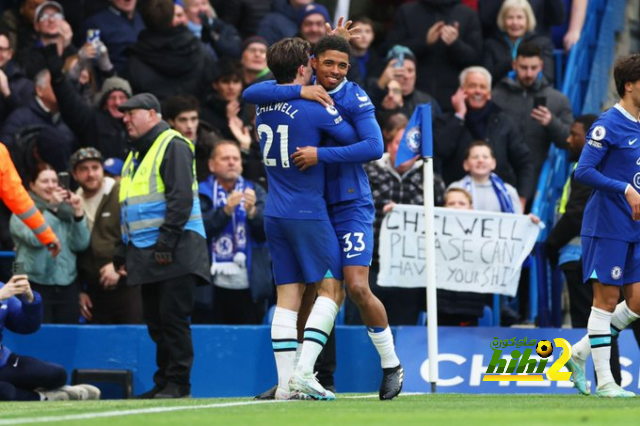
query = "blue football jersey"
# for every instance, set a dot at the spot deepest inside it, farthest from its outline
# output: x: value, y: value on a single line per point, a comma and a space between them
x: 282, y: 127
x: 610, y: 160
x: 348, y: 180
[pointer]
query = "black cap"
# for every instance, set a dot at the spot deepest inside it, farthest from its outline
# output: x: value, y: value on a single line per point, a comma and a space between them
x: 141, y: 101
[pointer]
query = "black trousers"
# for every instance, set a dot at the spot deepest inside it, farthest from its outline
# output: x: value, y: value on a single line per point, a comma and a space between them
x: 120, y: 306
x: 580, y: 294
x: 166, y: 308
x: 59, y: 302
x: 22, y: 374
x: 234, y: 307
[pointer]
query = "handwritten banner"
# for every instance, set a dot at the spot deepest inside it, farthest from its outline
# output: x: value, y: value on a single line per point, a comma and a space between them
x: 475, y: 251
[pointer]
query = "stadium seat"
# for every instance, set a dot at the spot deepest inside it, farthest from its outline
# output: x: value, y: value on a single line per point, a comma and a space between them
x: 122, y: 378
x: 486, y: 320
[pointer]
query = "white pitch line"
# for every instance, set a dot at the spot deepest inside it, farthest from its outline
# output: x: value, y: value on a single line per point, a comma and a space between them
x: 119, y: 413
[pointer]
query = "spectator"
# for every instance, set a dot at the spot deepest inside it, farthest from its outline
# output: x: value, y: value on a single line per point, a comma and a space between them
x: 119, y: 27
x: 245, y: 15
x: 312, y: 21
x: 17, y: 200
x: 42, y: 111
x: 225, y: 101
x: 252, y: 159
x: 179, y: 15
x: 366, y: 59
x: 52, y: 29
x: 23, y: 378
x: 444, y: 36
x: 54, y: 280
x: 488, y: 191
x: 113, y: 168
x: 282, y: 22
x: 167, y: 60
x: 476, y: 117
x: 254, y: 61
x: 578, y: 15
x: 166, y: 252
x: 548, y: 13
x: 392, y: 185
x: 564, y: 246
x: 540, y: 122
x: 232, y: 209
x: 220, y: 38
x: 404, y: 72
x: 101, y: 126
x: 517, y: 25
x: 459, y: 308
x: 15, y: 88
x: 105, y: 297
x: 19, y: 22
x: 183, y: 114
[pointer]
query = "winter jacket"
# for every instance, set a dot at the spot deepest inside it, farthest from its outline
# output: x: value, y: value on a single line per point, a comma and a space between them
x: 21, y: 90
x: 117, y: 32
x: 452, y: 138
x: 282, y: 22
x: 498, y: 55
x: 517, y: 102
x: 60, y: 149
x: 188, y: 248
x: 93, y: 127
x: 388, y: 186
x: 438, y: 65
x: 169, y: 63
x: 38, y: 263
x: 104, y: 236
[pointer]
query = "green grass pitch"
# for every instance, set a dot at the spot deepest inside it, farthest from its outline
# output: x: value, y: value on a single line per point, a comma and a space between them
x: 351, y: 410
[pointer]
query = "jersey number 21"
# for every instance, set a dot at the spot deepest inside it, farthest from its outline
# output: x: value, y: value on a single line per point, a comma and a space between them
x: 283, y: 131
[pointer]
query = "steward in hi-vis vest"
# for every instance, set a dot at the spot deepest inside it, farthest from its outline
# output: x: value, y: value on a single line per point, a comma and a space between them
x: 163, y: 238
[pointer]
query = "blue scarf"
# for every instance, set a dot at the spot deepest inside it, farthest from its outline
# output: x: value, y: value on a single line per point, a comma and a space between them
x: 229, y: 251
x: 506, y: 205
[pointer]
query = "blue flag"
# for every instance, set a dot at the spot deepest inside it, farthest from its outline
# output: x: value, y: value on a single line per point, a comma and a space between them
x: 418, y: 136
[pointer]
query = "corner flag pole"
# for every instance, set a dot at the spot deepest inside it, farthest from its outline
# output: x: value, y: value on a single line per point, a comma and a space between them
x: 432, y: 302
x: 426, y: 133
x: 417, y: 139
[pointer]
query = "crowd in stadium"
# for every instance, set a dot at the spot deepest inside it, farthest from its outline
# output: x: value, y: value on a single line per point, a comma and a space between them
x: 73, y: 74
x: 64, y: 72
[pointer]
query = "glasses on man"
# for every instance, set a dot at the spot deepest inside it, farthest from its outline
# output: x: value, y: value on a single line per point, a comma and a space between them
x: 55, y: 16
x: 4, y: 49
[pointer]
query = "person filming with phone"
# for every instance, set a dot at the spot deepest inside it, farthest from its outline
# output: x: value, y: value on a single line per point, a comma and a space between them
x: 542, y: 113
x: 54, y: 279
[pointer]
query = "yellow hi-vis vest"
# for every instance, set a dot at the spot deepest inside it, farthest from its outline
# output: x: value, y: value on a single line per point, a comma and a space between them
x: 142, y: 202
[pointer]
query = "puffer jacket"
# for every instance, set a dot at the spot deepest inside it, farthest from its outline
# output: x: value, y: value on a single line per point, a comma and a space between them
x: 74, y: 237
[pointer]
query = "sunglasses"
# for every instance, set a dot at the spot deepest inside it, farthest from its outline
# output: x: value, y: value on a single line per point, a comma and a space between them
x: 55, y: 16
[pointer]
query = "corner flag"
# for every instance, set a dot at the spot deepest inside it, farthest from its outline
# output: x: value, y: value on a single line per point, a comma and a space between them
x: 418, y: 136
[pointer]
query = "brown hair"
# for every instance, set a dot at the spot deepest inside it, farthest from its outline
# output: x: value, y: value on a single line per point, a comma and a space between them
x: 626, y: 70
x: 478, y: 143
x: 40, y: 167
x: 286, y: 56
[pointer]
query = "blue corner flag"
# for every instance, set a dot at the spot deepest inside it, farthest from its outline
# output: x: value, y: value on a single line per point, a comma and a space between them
x: 418, y: 136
